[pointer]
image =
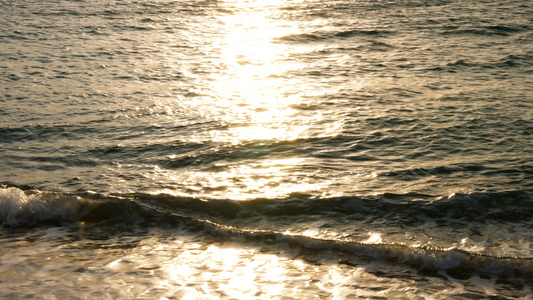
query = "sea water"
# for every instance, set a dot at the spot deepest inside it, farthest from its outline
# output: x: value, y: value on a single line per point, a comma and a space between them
x: 339, y: 149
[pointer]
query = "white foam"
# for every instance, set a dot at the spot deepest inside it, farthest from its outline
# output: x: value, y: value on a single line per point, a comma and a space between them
x: 18, y: 208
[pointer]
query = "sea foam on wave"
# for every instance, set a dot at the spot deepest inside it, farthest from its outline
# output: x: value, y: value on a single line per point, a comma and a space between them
x: 17, y: 208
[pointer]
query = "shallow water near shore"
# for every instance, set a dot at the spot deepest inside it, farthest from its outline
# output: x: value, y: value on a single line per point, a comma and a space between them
x: 266, y: 149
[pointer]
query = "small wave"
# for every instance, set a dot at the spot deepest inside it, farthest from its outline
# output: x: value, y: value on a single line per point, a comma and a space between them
x: 321, y: 36
x: 19, y: 208
x: 29, y: 207
x: 508, y: 62
x: 16, y: 36
x: 459, y: 264
x: 492, y: 30
x: 301, y: 38
x: 362, y: 32
x: 507, y: 206
x: 38, y: 132
x: 516, y: 60
x: 409, y: 174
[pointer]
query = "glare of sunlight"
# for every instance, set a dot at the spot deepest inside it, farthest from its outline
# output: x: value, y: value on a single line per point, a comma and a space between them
x: 374, y: 238
x: 235, y: 135
x: 310, y: 233
x: 250, y: 85
x: 250, y: 92
x: 235, y: 271
x: 268, y: 178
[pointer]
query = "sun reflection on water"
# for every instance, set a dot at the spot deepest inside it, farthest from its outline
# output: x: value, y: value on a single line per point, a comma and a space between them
x: 237, y: 273
x: 251, y: 93
x: 251, y: 85
x: 185, y: 269
x: 266, y: 179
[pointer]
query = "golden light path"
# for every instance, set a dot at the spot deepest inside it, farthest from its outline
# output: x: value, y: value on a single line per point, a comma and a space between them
x: 189, y: 270
x: 251, y: 86
x: 250, y: 89
x: 251, y: 93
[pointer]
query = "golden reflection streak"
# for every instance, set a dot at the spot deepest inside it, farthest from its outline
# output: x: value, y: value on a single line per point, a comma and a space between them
x: 240, y: 273
x: 251, y: 86
x: 251, y: 92
x: 269, y: 179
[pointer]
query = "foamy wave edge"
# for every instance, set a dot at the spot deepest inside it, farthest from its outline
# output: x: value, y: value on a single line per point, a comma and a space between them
x: 20, y: 208
x: 454, y: 262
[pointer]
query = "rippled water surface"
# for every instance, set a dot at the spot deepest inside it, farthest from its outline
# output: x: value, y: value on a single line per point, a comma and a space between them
x: 266, y: 149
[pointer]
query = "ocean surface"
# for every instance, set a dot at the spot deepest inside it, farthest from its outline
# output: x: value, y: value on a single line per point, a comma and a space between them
x: 299, y: 149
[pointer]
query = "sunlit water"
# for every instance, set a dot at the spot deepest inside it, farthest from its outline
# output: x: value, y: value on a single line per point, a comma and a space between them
x: 266, y: 149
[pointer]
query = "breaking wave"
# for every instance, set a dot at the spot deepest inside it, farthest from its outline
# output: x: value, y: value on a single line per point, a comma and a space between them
x: 29, y: 207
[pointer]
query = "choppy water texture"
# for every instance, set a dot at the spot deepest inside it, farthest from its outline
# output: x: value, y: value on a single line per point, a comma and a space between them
x: 266, y: 149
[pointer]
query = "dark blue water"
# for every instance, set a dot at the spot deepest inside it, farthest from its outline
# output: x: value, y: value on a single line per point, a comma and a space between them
x: 280, y: 149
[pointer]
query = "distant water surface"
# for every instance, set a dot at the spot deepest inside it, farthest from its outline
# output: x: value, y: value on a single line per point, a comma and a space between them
x: 266, y: 149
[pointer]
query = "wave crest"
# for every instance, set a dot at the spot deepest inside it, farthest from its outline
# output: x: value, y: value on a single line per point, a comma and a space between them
x: 18, y: 208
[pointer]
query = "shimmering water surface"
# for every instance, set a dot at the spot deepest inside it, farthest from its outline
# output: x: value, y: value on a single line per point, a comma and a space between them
x: 266, y: 149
